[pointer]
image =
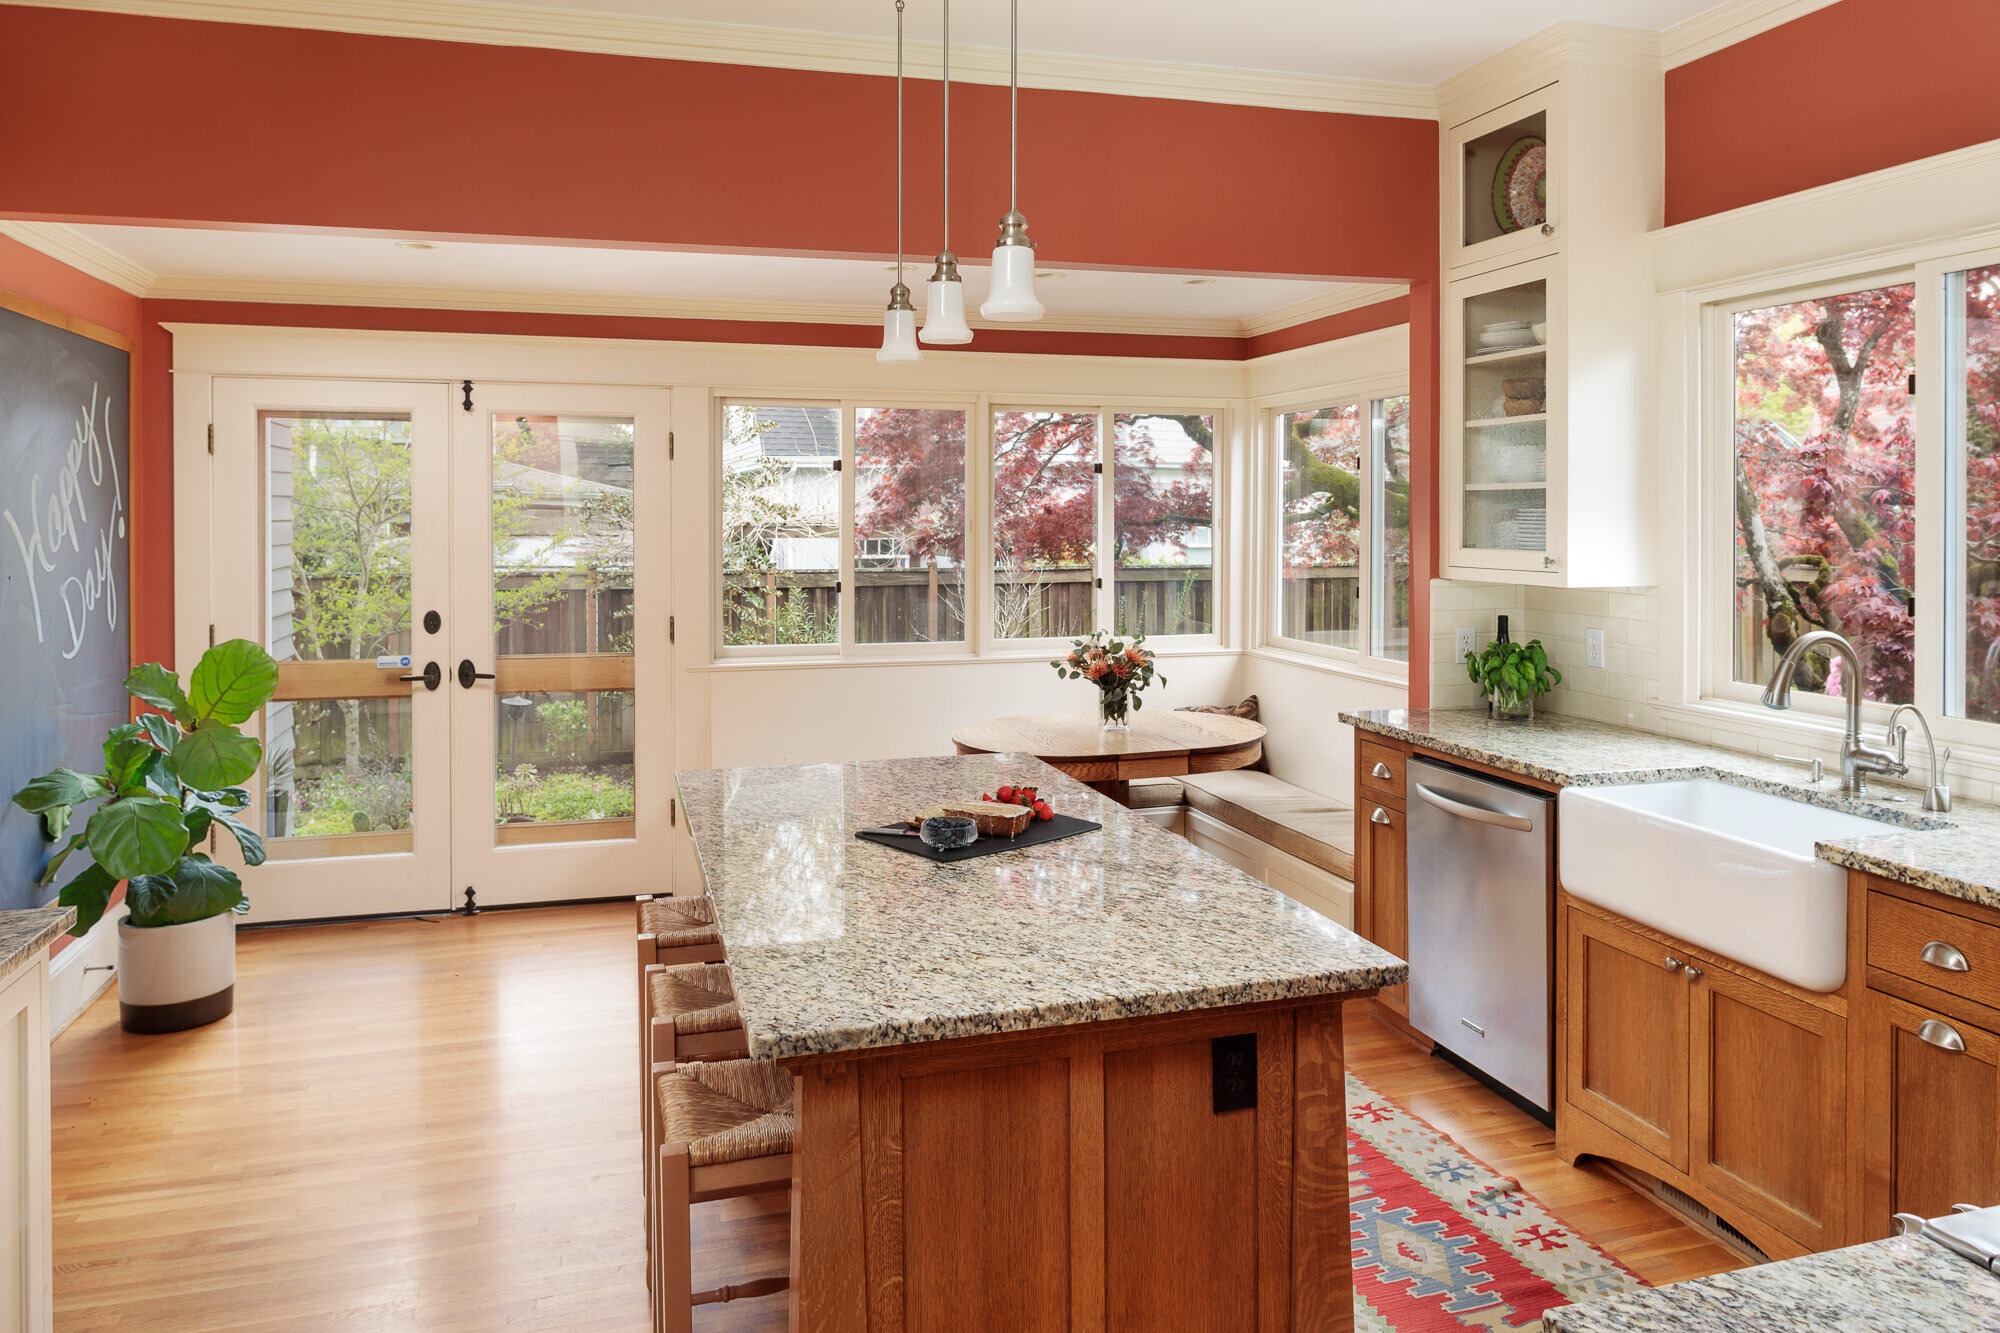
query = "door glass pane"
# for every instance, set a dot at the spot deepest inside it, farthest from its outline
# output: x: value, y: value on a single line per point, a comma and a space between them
x: 337, y: 777
x: 1823, y: 491
x: 1163, y: 492
x: 1320, y: 548
x: 909, y: 525
x: 1389, y: 498
x: 563, y: 526
x: 565, y: 758
x: 562, y: 535
x: 780, y: 524
x: 1044, y: 524
x: 1976, y: 424
x: 337, y: 536
x: 1505, y: 446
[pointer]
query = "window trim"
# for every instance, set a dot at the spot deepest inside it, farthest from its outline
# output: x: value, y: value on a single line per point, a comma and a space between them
x: 1269, y: 563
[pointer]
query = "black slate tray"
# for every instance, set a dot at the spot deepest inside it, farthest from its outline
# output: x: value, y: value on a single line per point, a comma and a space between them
x: 1041, y: 831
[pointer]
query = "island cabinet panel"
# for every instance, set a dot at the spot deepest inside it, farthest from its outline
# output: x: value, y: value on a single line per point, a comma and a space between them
x: 1626, y: 1045
x: 1080, y: 1179
x: 1769, y: 1102
x: 1931, y: 1113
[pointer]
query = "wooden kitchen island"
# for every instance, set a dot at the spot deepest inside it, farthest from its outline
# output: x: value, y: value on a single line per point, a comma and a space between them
x: 1094, y: 1084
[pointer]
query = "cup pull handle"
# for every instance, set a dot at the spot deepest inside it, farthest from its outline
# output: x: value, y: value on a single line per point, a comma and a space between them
x: 1940, y: 1034
x: 1380, y: 816
x: 1382, y: 771
x: 1939, y: 954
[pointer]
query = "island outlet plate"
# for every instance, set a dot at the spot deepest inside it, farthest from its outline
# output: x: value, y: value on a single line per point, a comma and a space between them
x: 1235, y: 1072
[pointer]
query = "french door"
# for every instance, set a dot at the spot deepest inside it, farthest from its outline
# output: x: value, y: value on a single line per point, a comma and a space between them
x: 464, y: 603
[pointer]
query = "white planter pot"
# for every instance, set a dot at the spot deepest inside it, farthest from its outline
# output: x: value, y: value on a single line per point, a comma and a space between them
x: 176, y: 977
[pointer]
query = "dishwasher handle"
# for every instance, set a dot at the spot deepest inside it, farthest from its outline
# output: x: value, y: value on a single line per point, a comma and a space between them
x: 1519, y: 823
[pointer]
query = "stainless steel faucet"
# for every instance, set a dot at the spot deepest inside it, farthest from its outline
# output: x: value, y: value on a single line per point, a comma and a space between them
x: 1857, y: 760
x: 1937, y: 796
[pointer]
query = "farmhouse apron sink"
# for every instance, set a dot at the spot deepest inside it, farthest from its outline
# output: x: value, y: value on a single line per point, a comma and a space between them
x: 1722, y: 867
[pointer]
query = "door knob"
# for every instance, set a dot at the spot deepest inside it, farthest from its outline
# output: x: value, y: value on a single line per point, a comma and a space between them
x: 1691, y: 972
x: 1671, y: 964
x: 431, y: 676
x: 466, y: 673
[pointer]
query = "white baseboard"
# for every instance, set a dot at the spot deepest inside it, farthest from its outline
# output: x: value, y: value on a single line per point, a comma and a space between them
x: 75, y: 978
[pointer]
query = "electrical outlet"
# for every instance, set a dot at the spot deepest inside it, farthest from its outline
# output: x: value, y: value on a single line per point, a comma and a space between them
x: 1465, y: 648
x: 1593, y: 648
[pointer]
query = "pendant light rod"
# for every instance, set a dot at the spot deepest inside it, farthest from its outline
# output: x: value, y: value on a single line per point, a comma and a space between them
x: 1013, y: 104
x: 899, y: 143
x: 947, y: 126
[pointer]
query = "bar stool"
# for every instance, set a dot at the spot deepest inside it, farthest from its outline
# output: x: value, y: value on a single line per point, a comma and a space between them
x: 725, y: 1129
x: 691, y: 1015
x: 672, y: 931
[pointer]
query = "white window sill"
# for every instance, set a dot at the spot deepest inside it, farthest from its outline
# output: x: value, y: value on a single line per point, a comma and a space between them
x: 1754, y: 729
x: 821, y: 661
x: 1373, y: 670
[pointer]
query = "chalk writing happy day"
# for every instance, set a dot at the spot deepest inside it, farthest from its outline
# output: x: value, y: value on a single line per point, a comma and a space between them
x: 74, y: 527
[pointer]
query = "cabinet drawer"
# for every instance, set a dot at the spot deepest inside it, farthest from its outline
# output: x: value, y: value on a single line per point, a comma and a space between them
x: 1380, y: 771
x: 1939, y: 948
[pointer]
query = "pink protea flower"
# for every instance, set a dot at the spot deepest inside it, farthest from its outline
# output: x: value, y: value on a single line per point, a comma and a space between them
x: 1097, y: 668
x: 1135, y: 654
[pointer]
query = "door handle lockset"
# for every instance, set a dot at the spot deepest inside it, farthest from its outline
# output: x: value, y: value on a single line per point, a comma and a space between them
x: 467, y: 674
x: 431, y: 676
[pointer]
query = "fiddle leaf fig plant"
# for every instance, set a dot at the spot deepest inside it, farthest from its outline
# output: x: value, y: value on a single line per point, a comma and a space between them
x: 1512, y: 674
x: 170, y: 780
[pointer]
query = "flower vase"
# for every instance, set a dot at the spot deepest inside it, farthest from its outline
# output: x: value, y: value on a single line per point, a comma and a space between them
x: 1111, y: 709
x: 1506, y: 706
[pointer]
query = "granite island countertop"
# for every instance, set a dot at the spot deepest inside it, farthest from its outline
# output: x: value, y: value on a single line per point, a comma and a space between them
x: 1956, y: 853
x: 839, y: 944
x: 1905, y: 1284
x: 25, y: 934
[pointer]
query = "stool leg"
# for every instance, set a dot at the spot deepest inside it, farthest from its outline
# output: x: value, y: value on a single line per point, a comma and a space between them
x: 673, y: 1234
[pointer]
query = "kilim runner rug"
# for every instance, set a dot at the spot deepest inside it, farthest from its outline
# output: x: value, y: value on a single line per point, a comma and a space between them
x: 1443, y: 1241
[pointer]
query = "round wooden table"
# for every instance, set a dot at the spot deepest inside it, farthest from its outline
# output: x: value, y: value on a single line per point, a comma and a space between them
x: 1162, y: 743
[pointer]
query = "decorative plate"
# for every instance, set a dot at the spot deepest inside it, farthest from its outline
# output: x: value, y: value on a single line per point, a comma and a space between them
x: 1521, y: 184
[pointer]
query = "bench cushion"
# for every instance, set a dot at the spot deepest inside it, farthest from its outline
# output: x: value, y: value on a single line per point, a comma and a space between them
x: 1316, y: 829
x: 1154, y: 793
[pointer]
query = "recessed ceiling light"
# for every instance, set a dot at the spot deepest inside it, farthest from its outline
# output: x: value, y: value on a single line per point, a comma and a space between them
x: 1197, y: 282
x: 416, y: 245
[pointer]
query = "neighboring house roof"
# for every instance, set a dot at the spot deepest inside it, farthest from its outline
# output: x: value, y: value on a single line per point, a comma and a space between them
x: 800, y: 432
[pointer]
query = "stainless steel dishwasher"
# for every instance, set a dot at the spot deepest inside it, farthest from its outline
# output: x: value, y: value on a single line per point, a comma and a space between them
x: 1482, y: 915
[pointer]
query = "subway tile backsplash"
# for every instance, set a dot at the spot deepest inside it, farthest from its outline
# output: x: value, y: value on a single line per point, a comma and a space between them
x: 1621, y: 691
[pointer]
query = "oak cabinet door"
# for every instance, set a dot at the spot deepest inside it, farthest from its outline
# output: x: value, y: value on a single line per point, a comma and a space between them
x: 1768, y: 1104
x: 1381, y: 877
x: 1626, y: 1039
x: 1931, y: 1122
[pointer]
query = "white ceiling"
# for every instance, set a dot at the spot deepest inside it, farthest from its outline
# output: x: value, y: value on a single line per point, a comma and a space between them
x: 298, y: 266
x: 1407, y: 41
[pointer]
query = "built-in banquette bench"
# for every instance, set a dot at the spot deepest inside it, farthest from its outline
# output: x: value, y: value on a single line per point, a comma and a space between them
x: 1297, y: 841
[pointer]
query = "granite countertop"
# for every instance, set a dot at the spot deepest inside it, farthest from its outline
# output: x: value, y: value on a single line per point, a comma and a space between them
x: 24, y: 935
x: 838, y: 944
x: 1956, y: 854
x: 1902, y: 1285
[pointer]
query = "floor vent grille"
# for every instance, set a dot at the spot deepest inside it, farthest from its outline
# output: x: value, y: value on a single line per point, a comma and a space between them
x: 1706, y: 1217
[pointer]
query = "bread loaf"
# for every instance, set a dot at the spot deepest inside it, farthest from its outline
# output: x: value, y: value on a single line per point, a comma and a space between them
x: 994, y: 819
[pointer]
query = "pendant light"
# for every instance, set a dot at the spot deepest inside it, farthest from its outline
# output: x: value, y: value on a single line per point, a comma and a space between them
x: 944, y: 301
x: 899, y: 322
x: 1012, y: 295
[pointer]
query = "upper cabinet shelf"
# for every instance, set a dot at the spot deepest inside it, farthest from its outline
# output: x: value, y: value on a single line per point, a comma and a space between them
x: 1502, y: 180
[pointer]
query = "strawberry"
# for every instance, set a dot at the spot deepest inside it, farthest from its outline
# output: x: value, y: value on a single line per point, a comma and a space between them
x: 1042, y: 811
x: 1006, y: 795
x: 984, y: 796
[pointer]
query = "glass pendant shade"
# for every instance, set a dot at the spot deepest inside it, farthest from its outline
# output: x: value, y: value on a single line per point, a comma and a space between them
x: 899, y: 334
x: 944, y: 310
x: 1012, y: 296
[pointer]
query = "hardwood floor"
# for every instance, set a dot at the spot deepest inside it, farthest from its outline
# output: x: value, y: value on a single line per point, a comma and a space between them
x: 433, y: 1125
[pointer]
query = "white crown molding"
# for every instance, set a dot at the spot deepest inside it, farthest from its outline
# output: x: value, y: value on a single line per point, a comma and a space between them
x: 73, y: 248
x: 1321, y: 307
x: 737, y: 44
x: 1537, y: 61
x: 1727, y: 24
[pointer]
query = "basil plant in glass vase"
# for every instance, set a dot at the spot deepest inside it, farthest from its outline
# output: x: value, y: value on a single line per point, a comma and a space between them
x: 170, y: 786
x: 1512, y: 675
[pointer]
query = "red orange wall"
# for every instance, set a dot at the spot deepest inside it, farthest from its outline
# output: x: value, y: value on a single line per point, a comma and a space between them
x: 1852, y: 88
x: 115, y: 117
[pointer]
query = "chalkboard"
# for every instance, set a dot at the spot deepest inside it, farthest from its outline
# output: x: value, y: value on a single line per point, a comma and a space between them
x: 65, y: 564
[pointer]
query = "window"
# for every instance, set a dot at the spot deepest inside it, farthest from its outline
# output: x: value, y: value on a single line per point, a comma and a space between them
x: 1822, y: 486
x: 909, y: 525
x: 1972, y: 314
x: 781, y: 524
x: 1343, y: 529
x: 1163, y: 496
x: 1045, y: 519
